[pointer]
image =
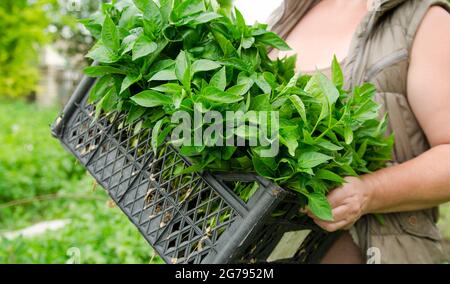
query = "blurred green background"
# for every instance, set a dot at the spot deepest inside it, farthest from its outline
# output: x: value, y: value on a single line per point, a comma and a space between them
x: 51, y: 211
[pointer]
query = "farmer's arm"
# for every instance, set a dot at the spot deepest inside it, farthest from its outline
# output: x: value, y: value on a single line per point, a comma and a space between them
x: 423, y: 182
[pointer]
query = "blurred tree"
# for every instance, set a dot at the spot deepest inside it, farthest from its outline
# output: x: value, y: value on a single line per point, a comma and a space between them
x: 72, y: 39
x: 27, y: 25
x: 22, y: 33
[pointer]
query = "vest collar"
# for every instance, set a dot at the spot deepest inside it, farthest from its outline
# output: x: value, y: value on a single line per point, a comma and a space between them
x: 387, y: 5
x: 301, y: 7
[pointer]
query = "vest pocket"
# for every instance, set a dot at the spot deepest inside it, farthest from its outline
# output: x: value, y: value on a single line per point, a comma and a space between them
x: 419, y: 224
x: 404, y: 238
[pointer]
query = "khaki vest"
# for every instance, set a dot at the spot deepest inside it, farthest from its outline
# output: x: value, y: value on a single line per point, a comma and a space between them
x: 379, y: 53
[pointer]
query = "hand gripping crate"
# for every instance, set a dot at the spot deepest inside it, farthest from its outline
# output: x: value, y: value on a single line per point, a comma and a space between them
x: 187, y: 218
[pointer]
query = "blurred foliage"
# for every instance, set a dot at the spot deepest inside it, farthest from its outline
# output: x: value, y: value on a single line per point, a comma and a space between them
x: 71, y: 37
x: 101, y: 233
x: 33, y: 165
x: 444, y: 220
x: 26, y: 26
x: 22, y: 25
x: 31, y: 162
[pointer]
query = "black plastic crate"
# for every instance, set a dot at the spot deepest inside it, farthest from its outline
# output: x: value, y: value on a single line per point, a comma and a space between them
x: 188, y: 218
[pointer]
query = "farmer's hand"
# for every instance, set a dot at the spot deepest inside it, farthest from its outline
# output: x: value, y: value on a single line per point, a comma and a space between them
x: 348, y: 202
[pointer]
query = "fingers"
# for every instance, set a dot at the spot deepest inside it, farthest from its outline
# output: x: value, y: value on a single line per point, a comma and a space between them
x: 345, y: 206
x: 331, y: 226
x: 340, y: 214
x: 337, y: 197
x: 340, y: 220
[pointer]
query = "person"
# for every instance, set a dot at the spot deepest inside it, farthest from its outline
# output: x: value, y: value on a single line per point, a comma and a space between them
x: 403, y: 47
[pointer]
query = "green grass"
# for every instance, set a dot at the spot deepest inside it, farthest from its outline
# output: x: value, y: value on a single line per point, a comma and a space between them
x: 39, y: 181
x: 444, y: 221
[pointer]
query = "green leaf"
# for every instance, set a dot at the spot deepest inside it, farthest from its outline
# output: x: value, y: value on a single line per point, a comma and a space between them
x: 218, y: 96
x: 168, y: 88
x: 248, y: 42
x: 151, y: 99
x: 273, y: 40
x: 337, y: 75
x: 188, y: 8
x: 129, y: 80
x: 135, y: 113
x: 240, y: 90
x: 329, y: 175
x: 204, y: 65
x: 103, y: 54
x: 110, y: 35
x: 227, y: 48
x: 189, y: 170
x: 262, y: 168
x: 164, y: 75
x: 319, y: 206
x: 190, y: 151
x: 290, y: 141
x: 183, y: 69
x: 328, y: 88
x: 348, y: 135
x: 240, y: 21
x: 166, y: 7
x: 322, y: 88
x: 127, y: 43
x: 202, y: 18
x: 329, y: 146
x: 206, y: 17
x: 299, y: 106
x: 98, y: 71
x: 143, y: 47
x: 103, y: 104
x: 151, y: 12
x: 362, y: 149
x: 261, y: 103
x: 162, y: 65
x: 262, y: 83
x: 219, y: 80
x: 95, y: 29
x: 101, y: 87
x: 155, y: 135
x: 310, y: 160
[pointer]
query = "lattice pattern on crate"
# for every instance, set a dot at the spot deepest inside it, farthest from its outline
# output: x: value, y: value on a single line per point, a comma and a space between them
x: 120, y: 158
x: 82, y: 135
x: 113, y: 154
x: 179, y: 213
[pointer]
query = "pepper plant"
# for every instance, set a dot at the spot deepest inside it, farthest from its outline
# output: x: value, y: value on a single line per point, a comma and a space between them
x: 156, y: 58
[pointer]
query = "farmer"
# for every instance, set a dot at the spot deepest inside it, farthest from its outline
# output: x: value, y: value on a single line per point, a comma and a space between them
x: 403, y: 47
